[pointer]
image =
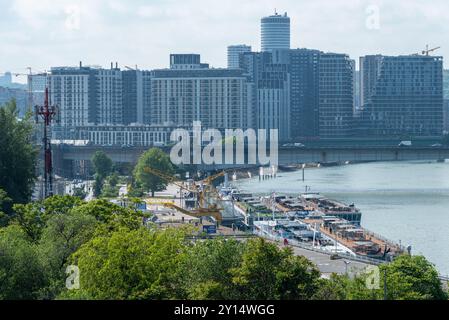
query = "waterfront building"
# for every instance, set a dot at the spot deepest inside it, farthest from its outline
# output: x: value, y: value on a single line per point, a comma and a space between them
x: 136, y: 96
x: 85, y: 96
x: 216, y: 97
x: 234, y: 53
x: 446, y: 84
x: 401, y: 95
x: 73, y: 90
x: 446, y: 116
x: 275, y: 32
x: 125, y: 135
x: 268, y: 92
x: 252, y: 64
x: 273, y: 95
x: 336, y: 95
x: 304, y: 93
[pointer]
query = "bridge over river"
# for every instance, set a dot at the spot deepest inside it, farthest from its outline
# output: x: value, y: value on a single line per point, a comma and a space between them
x: 68, y: 157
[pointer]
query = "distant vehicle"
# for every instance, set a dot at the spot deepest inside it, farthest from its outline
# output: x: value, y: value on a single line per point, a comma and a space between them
x: 158, y: 144
x: 405, y: 143
x: 295, y: 145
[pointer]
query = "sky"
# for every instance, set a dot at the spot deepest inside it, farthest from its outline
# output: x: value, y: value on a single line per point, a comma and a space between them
x: 45, y: 33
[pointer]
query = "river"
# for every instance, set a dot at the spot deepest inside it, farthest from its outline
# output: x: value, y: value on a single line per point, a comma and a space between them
x: 407, y: 202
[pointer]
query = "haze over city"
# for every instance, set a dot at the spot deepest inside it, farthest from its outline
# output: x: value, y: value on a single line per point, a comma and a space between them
x: 50, y: 33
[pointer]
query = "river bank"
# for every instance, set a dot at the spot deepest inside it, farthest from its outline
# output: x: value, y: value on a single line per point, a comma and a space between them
x: 407, y: 202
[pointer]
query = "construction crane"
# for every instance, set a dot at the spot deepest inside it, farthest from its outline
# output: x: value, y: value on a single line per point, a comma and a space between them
x: 203, y: 208
x: 132, y: 69
x: 206, y: 188
x: 427, y: 51
x: 169, y: 178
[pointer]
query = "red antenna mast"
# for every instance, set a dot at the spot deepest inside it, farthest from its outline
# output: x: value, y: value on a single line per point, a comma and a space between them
x: 47, y: 113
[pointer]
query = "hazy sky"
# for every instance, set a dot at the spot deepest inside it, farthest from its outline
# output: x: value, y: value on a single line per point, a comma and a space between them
x: 45, y: 33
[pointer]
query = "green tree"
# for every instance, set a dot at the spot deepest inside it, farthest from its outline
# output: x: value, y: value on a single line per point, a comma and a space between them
x: 334, y: 288
x: 267, y: 272
x: 63, y: 235
x: 154, y: 158
x: 98, y: 185
x: 111, y: 215
x: 206, y: 273
x: 32, y: 217
x: 113, y: 180
x: 5, y: 205
x: 407, y: 278
x: 17, y: 155
x: 21, y: 275
x: 341, y: 287
x: 131, y: 264
x: 102, y: 164
x: 413, y: 278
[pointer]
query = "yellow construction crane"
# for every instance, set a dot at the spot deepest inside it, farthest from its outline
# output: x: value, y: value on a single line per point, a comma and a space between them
x: 201, y: 212
x: 203, y: 209
x: 170, y: 179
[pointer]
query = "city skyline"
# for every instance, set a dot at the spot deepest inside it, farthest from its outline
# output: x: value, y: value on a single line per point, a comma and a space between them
x: 65, y: 32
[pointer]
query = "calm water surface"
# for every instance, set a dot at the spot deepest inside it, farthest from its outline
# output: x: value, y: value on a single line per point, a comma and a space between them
x: 407, y: 202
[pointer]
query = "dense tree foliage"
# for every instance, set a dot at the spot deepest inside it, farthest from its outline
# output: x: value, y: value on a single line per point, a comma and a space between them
x: 120, y: 257
x: 407, y: 278
x: 154, y: 158
x: 131, y: 264
x: 5, y: 206
x: 17, y: 155
x: 21, y: 274
x: 32, y: 217
x: 111, y: 215
x: 102, y: 164
x: 207, y: 271
x: 280, y: 274
x: 63, y: 235
x: 412, y: 278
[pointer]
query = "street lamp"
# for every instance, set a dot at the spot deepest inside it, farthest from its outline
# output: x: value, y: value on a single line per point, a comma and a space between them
x: 346, y: 266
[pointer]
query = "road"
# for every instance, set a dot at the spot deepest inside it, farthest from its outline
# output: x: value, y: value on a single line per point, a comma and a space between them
x: 328, y: 266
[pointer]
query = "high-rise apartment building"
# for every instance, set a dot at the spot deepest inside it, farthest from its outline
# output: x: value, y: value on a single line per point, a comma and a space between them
x: 234, y: 53
x: 273, y: 97
x: 336, y: 95
x: 275, y: 32
x: 402, y: 95
x: 216, y: 97
x: 253, y: 64
x: 136, y: 96
x: 86, y: 96
x: 109, y: 96
x: 73, y: 90
x: 304, y: 93
x: 268, y: 92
